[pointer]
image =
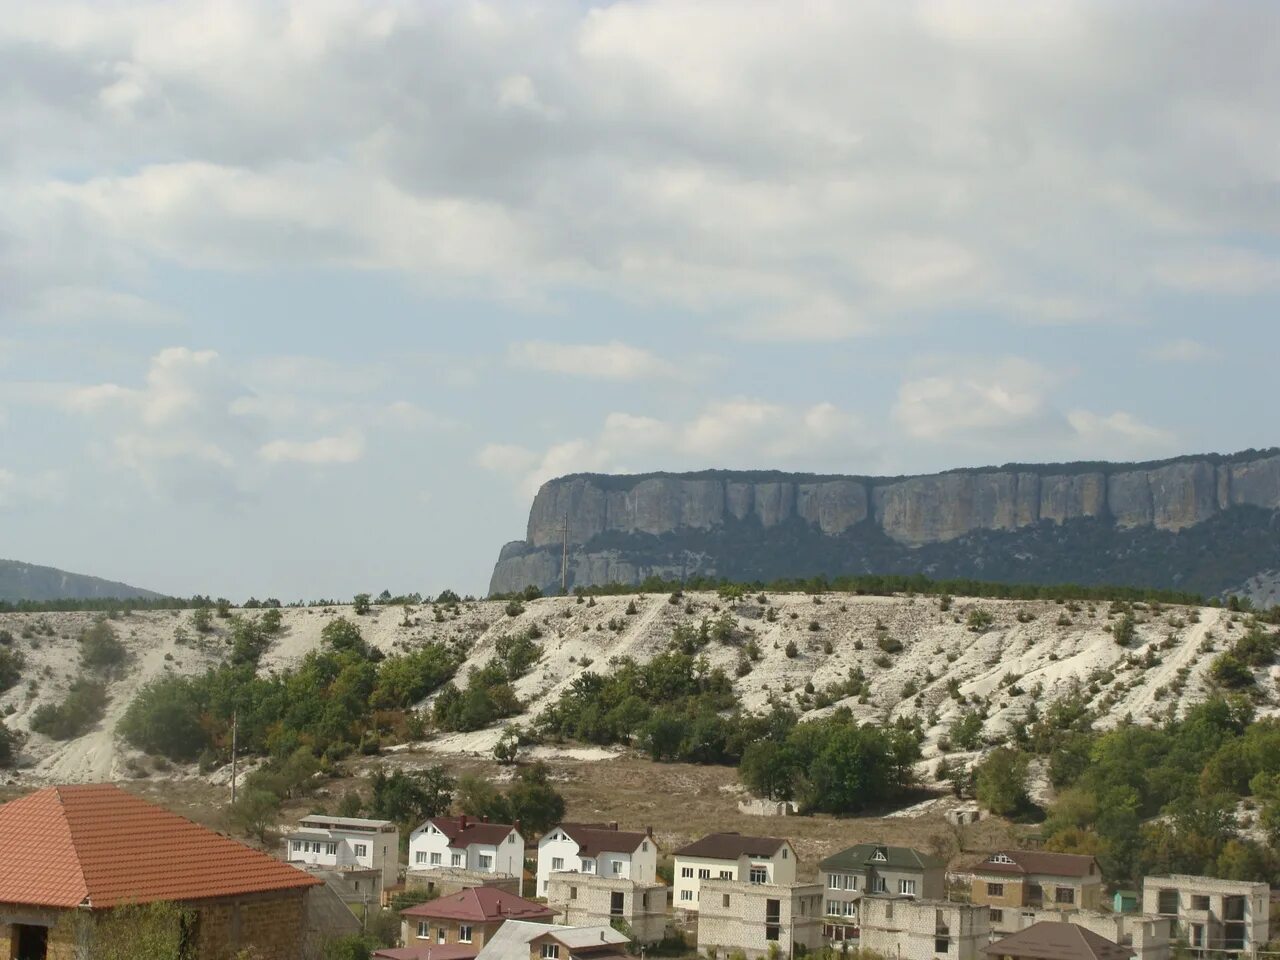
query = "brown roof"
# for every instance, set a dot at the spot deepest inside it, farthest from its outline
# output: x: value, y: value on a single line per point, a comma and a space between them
x: 731, y: 846
x: 464, y: 831
x: 594, y: 839
x: 480, y: 905
x: 1055, y: 940
x: 1039, y: 861
x: 99, y: 846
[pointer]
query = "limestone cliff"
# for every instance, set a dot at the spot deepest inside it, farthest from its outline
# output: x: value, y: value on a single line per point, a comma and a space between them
x: 624, y: 528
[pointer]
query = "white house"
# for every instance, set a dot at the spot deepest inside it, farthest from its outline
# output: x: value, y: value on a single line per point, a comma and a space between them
x: 346, y: 843
x: 464, y: 843
x: 597, y: 848
x: 731, y: 857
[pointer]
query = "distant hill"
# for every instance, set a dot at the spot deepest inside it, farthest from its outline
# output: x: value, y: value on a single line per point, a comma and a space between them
x: 27, y: 581
x: 1205, y: 524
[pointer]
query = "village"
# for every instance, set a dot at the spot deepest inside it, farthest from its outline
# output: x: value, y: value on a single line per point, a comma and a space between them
x: 74, y: 856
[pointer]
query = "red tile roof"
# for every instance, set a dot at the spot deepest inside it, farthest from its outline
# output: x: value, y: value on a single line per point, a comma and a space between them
x: 1039, y: 862
x: 464, y: 831
x: 97, y: 845
x: 480, y: 905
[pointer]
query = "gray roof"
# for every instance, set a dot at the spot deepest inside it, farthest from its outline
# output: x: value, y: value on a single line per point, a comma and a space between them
x: 1055, y: 940
x: 863, y: 855
x: 575, y: 938
x: 511, y: 941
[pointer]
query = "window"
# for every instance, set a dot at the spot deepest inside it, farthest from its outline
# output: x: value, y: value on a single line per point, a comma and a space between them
x: 784, y: 853
x: 879, y: 885
x: 771, y: 932
x: 999, y: 858
x: 455, y: 860
x: 851, y: 881
x: 686, y: 894
x: 486, y: 861
x: 833, y: 908
x: 617, y: 903
x: 1064, y: 895
x: 726, y: 874
x: 704, y: 874
x: 941, y: 944
x: 440, y: 938
x: 297, y: 846
x: 1035, y: 894
x: 759, y: 875
x: 997, y: 916
x: 557, y: 863
x: 1199, y: 902
x: 724, y: 901
x: 332, y: 849
x: 644, y: 846
x: 464, y: 934
x: 907, y: 888
x: 879, y: 855
x: 1167, y: 902
x: 550, y: 951
x: 995, y: 889
x: 588, y: 866
x: 1197, y: 934
x: 617, y: 867
x: 888, y: 910
x: 420, y: 857
x: 573, y: 893
x: 362, y: 850
x: 424, y: 929
x: 511, y: 838
x: 833, y: 881
x: 436, y: 860
x: 686, y: 871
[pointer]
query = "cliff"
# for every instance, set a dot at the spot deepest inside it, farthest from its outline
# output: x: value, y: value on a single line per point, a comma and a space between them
x: 1085, y: 522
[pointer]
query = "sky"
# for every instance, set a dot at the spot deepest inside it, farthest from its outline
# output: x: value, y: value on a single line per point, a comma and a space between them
x: 303, y: 299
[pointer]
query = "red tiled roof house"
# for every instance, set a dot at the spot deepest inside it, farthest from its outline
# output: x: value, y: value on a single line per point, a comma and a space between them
x: 74, y: 852
x: 467, y: 918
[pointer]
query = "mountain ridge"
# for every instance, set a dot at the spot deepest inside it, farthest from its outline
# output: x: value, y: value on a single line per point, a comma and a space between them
x: 21, y: 581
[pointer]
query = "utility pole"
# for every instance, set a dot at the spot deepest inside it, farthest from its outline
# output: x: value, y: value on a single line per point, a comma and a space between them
x: 564, y: 558
x: 234, y: 716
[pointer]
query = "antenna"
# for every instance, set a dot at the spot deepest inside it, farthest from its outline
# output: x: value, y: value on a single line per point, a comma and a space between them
x: 564, y: 558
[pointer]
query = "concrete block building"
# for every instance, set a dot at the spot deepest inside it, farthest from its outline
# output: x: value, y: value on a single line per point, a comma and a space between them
x: 756, y: 918
x: 591, y: 900
x: 923, y: 929
x: 1150, y: 937
x: 1222, y: 916
x: 73, y: 854
x: 339, y: 844
x: 878, y: 868
x: 732, y: 857
x: 1011, y: 881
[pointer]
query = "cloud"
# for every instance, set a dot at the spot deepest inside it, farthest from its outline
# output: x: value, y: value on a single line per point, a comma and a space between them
x: 614, y: 360
x: 738, y: 432
x: 791, y: 176
x: 44, y: 486
x: 1118, y: 432
x: 1184, y: 350
x: 347, y: 448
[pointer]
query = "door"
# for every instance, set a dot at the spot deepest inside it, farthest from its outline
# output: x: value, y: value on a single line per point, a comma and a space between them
x: 615, y: 904
x: 31, y: 943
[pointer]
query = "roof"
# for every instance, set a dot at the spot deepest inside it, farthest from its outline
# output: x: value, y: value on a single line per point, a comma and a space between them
x: 1055, y: 940
x: 511, y: 941
x: 98, y: 846
x: 428, y: 951
x: 731, y: 846
x: 1039, y: 861
x: 894, y: 858
x: 594, y: 839
x: 480, y: 905
x: 577, y: 938
x: 464, y: 831
x: 339, y: 823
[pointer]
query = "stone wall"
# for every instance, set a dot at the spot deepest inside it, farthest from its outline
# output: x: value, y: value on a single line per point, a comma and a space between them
x: 732, y: 917
x: 583, y: 901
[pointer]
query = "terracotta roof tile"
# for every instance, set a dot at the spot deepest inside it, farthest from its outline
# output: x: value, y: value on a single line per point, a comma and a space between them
x: 97, y: 845
x: 480, y: 905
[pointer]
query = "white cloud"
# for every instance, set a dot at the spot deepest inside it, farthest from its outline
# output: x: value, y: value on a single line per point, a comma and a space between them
x: 738, y: 432
x: 614, y: 360
x: 347, y: 448
x: 970, y: 396
x: 1118, y: 433
x: 44, y: 486
x: 1184, y: 350
x: 1220, y: 270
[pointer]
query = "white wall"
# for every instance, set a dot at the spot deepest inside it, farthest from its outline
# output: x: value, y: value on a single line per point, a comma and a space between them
x: 780, y: 869
x: 640, y: 864
x: 505, y: 858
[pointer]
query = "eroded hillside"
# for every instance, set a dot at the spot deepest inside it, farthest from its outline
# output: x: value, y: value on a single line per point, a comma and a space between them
x: 1031, y: 652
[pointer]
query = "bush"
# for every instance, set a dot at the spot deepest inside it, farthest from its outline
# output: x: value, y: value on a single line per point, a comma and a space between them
x: 1123, y: 632
x: 11, y: 664
x: 514, y: 608
x: 792, y: 651
x: 889, y: 644
x: 201, y: 620
x: 979, y: 620
x: 165, y: 719
x: 814, y: 626
x: 84, y: 706
x: 100, y: 650
x: 966, y: 730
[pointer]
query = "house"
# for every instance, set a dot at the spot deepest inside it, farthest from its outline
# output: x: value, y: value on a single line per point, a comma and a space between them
x: 581, y: 899
x: 468, y: 918
x: 758, y: 919
x: 597, y: 848
x: 1056, y: 940
x: 1149, y: 937
x: 466, y: 844
x: 347, y: 844
x: 73, y: 853
x: 1009, y: 881
x: 879, y: 868
x: 923, y: 929
x: 429, y: 951
x: 733, y: 857
x: 1225, y: 916
x: 521, y: 940
x: 1126, y: 901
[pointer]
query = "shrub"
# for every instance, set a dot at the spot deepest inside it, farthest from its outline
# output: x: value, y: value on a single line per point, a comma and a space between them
x: 514, y: 608
x: 201, y: 620
x: 889, y: 644
x: 99, y: 648
x: 11, y: 664
x: 360, y: 604
x: 966, y: 730
x: 631, y: 609
x: 979, y: 620
x: 814, y: 626
x: 1123, y: 631
x: 792, y: 651
x: 84, y: 706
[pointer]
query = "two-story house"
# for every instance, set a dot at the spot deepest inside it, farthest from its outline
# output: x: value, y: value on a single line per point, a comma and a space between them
x: 465, y: 843
x: 522, y: 940
x: 878, y: 868
x: 1012, y: 881
x: 909, y: 929
x: 323, y: 843
x: 467, y: 918
x: 1222, y: 916
x: 758, y: 919
x: 591, y: 900
x: 734, y: 857
x: 599, y: 849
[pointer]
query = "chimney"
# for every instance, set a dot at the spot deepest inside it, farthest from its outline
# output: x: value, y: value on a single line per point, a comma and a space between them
x: 602, y: 936
x: 648, y: 832
x: 613, y: 825
x: 463, y: 821
x: 516, y: 826
x: 484, y: 818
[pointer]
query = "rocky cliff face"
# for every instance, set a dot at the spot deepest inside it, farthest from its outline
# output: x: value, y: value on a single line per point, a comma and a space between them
x: 626, y: 528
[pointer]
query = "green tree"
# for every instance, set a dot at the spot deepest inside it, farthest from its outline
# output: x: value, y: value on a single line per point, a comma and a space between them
x: 768, y: 770
x: 10, y: 741
x: 1000, y: 781
x: 360, y: 604
x: 149, y: 931
x: 100, y: 649
x: 534, y: 801
x: 409, y: 798
x: 165, y: 717
x: 508, y: 746
x: 201, y: 620
x: 1124, y: 630
x: 255, y: 813
x: 11, y: 664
